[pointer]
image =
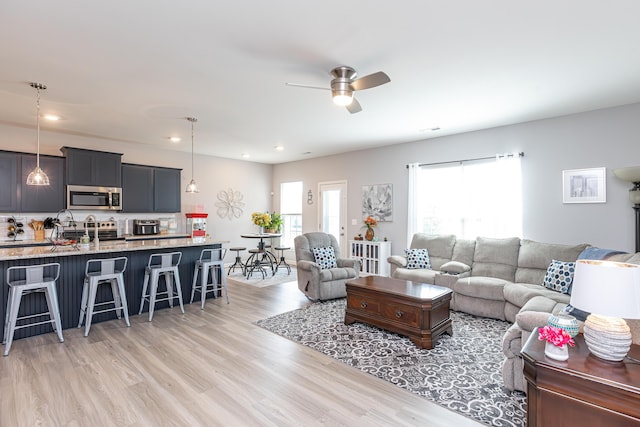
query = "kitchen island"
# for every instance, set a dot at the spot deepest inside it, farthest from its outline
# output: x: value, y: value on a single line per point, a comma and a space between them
x: 73, y: 261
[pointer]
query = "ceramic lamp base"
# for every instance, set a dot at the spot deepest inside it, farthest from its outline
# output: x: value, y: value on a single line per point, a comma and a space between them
x: 608, y: 338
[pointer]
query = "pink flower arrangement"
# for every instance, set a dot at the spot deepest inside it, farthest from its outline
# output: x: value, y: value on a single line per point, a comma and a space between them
x: 370, y: 222
x: 556, y: 336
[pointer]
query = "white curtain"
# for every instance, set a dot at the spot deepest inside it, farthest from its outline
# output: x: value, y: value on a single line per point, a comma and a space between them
x: 412, y: 195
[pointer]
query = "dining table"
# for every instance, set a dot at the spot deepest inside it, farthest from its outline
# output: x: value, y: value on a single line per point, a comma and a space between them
x: 263, y: 258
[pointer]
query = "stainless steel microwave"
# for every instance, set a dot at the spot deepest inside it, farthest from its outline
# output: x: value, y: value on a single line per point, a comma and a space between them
x: 92, y: 198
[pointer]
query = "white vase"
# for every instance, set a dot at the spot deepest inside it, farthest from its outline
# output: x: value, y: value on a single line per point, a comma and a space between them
x: 555, y: 352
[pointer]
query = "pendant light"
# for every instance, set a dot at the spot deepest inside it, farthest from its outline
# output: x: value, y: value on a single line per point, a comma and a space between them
x: 37, y: 176
x: 192, y: 187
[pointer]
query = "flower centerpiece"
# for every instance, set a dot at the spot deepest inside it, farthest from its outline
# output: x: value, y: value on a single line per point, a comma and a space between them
x: 369, y: 223
x: 557, y: 340
x: 261, y: 219
x: 276, y: 222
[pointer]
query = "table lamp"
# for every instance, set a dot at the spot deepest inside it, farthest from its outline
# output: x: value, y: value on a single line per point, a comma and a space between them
x: 610, y: 291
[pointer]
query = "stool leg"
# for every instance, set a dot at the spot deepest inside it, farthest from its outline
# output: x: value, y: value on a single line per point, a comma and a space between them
x: 91, y: 301
x: 203, y: 284
x: 144, y: 291
x: 223, y: 281
x: 83, y: 304
x: 176, y: 277
x: 54, y: 309
x: 7, y: 316
x: 168, y: 281
x: 194, y: 283
x: 14, y: 306
x: 122, y: 297
x: 152, y: 293
x: 116, y: 297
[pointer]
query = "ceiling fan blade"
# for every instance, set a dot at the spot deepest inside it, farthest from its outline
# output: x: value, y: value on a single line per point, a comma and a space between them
x: 307, y: 86
x: 372, y: 80
x: 354, y: 107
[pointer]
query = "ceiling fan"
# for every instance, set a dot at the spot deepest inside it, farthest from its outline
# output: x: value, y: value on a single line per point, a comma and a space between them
x: 344, y: 83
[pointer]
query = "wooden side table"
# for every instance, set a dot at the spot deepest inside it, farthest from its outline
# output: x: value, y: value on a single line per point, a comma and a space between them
x: 583, y: 391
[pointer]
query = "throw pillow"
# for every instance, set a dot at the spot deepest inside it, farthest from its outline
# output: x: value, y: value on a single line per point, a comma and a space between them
x: 559, y: 276
x: 417, y: 258
x: 325, y: 257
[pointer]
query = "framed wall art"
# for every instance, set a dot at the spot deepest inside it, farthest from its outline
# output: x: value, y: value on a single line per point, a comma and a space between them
x: 377, y: 201
x: 584, y: 185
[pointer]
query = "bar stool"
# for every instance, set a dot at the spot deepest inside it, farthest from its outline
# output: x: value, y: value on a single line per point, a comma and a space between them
x: 254, y: 262
x: 211, y: 260
x: 99, y: 272
x: 238, y: 262
x: 26, y: 280
x: 166, y: 265
x: 282, y: 262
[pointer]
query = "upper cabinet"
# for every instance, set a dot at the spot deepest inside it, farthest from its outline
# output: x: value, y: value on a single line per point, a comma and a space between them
x: 17, y: 196
x: 89, y: 167
x: 49, y: 198
x: 150, y: 189
x: 9, y: 178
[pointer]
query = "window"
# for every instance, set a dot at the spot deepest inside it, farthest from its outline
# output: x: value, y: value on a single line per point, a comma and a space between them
x: 469, y: 199
x: 291, y: 211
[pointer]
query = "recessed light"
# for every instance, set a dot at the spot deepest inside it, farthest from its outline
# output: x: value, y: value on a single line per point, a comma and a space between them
x: 306, y: 152
x: 174, y: 139
x: 279, y: 148
x: 245, y: 155
x: 51, y: 117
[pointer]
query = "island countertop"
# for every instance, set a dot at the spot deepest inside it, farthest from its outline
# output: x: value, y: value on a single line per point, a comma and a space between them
x: 107, y: 246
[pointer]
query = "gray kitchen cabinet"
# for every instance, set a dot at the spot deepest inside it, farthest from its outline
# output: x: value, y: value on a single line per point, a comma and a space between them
x: 50, y: 198
x: 137, y: 188
x: 150, y: 189
x: 166, y: 190
x: 89, y: 167
x: 9, y: 179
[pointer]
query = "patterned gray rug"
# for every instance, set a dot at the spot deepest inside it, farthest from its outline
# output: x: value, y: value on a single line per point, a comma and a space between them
x: 462, y: 373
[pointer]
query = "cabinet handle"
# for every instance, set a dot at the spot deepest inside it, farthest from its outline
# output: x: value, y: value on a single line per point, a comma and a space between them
x: 363, y: 304
x: 399, y: 314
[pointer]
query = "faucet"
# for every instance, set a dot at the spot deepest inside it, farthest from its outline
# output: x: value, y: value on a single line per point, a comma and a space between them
x: 96, y: 241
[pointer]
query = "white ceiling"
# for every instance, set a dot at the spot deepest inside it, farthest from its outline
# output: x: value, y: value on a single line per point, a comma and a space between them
x: 133, y: 70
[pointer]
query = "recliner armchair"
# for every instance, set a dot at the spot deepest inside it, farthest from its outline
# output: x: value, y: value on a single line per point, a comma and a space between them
x: 317, y: 283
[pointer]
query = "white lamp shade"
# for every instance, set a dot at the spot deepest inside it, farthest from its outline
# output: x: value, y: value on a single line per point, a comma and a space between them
x: 607, y: 288
x: 631, y: 174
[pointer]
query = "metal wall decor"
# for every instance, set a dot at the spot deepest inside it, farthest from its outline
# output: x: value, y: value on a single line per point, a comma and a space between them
x: 230, y: 204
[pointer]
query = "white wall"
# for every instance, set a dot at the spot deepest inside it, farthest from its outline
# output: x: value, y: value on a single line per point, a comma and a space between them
x: 604, y: 138
x: 212, y: 174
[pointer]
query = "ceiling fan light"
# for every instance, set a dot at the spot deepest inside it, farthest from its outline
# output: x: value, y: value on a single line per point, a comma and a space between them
x: 343, y: 99
x: 37, y: 177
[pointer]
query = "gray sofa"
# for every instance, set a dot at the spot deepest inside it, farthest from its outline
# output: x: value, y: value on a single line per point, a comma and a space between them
x: 500, y: 279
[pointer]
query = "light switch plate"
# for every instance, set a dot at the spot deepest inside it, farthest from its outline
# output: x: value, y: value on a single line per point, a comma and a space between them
x: 354, y: 222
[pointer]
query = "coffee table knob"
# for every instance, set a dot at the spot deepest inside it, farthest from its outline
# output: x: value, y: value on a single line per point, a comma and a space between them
x: 363, y: 304
x: 399, y: 314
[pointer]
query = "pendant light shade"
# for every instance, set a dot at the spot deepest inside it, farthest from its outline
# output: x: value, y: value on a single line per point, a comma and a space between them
x: 38, y: 176
x: 192, y: 187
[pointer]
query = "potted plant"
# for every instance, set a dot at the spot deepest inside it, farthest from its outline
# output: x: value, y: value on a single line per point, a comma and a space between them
x: 276, y: 222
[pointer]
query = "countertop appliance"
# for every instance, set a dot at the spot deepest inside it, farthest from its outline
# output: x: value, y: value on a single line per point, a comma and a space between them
x: 91, y: 198
x: 145, y: 227
x: 197, y: 224
x: 107, y: 230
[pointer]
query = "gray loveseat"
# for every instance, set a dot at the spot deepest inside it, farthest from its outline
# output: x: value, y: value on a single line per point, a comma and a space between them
x: 497, y: 278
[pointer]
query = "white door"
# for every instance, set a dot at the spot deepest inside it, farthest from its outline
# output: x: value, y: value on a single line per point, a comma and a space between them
x: 333, y: 210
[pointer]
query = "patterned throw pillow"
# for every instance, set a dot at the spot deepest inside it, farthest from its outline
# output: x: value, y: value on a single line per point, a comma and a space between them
x: 325, y: 257
x: 417, y: 258
x: 559, y: 276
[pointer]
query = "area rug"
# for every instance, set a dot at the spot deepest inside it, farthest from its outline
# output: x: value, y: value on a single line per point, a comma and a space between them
x: 256, y: 279
x: 462, y: 373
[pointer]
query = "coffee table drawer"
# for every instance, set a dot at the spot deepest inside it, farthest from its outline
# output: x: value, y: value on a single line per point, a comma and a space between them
x: 363, y: 303
x: 406, y: 314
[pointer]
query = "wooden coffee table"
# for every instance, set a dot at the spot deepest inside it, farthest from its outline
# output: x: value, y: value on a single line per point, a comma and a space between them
x: 416, y: 310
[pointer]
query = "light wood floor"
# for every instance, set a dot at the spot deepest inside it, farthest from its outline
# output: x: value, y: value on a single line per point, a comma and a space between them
x: 204, y: 368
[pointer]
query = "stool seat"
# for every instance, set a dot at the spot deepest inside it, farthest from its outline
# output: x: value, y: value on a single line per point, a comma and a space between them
x: 24, y: 280
x: 99, y: 272
x: 211, y: 260
x: 165, y: 264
